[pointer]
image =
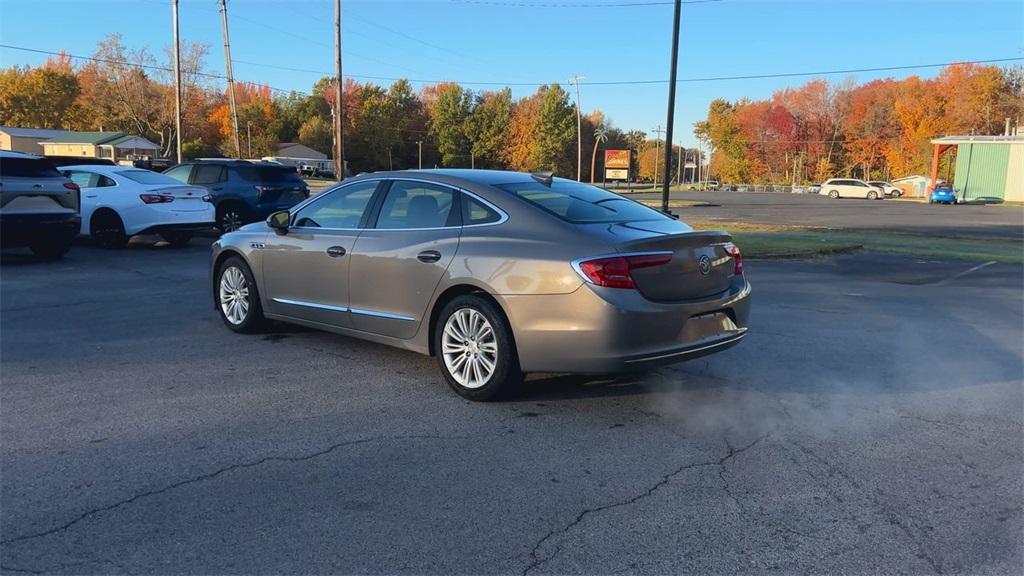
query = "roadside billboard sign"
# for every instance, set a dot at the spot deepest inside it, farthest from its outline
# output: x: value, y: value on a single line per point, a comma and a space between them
x: 616, y: 174
x: 616, y: 159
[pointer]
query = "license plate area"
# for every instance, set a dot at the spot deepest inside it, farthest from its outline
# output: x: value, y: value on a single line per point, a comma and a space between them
x: 709, y: 326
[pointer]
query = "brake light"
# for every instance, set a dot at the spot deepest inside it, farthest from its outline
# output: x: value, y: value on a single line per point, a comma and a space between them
x: 615, y: 271
x: 737, y: 258
x: 72, y: 186
x: 156, y: 198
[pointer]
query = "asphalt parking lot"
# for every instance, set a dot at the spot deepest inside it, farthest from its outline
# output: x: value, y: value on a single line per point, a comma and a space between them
x: 871, y: 423
x: 850, y: 213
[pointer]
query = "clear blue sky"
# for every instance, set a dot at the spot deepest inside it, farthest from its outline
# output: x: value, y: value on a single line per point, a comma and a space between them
x: 477, y: 41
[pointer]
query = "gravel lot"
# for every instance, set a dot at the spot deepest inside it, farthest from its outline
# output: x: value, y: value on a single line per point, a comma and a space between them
x: 871, y: 423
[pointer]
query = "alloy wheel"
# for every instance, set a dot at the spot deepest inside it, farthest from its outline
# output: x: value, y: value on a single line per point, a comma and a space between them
x: 234, y: 295
x: 469, y: 348
x: 230, y: 221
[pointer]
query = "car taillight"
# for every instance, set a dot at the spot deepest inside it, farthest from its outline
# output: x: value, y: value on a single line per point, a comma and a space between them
x: 615, y: 271
x: 72, y: 186
x: 156, y: 198
x: 208, y: 198
x: 737, y: 258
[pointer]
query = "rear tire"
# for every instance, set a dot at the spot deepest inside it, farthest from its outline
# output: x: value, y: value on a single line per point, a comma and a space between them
x: 872, y: 195
x: 51, y: 249
x: 476, y: 351
x: 107, y: 229
x: 833, y: 194
x: 237, y: 297
x: 176, y: 239
x: 230, y: 217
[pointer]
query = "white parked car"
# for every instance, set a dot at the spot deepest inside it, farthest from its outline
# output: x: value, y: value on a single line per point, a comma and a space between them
x: 887, y: 188
x: 119, y: 202
x: 850, y: 188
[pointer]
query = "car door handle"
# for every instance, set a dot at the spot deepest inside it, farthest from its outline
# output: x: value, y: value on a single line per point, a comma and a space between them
x: 217, y: 189
x: 90, y: 195
x: 429, y: 256
x: 335, y: 251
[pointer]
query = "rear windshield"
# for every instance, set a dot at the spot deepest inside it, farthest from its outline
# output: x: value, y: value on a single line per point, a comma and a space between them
x: 147, y: 177
x: 268, y: 174
x: 27, y: 168
x: 581, y: 203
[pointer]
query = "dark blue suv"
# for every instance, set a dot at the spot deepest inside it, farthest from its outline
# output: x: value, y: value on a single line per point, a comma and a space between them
x: 243, y: 191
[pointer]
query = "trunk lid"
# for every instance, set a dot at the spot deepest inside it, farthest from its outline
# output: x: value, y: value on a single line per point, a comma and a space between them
x: 186, y: 198
x: 700, y: 266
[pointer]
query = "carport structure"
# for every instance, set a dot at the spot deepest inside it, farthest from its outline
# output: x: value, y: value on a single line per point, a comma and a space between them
x: 987, y: 167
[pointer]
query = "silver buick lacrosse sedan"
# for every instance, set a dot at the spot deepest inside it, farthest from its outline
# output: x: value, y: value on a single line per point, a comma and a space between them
x: 494, y: 273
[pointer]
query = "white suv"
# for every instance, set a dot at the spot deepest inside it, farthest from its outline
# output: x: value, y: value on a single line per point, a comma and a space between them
x: 850, y: 188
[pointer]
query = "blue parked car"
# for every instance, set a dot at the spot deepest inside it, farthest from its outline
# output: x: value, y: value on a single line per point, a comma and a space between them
x: 943, y: 194
x: 243, y: 191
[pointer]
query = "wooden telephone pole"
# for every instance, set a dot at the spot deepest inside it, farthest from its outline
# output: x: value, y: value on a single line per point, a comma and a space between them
x: 339, y: 109
x: 177, y: 80
x: 230, y: 75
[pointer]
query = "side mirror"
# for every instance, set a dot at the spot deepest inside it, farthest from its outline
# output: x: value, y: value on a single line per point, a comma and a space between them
x: 279, y: 221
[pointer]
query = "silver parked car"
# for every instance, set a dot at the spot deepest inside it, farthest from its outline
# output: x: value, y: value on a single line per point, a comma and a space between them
x: 494, y: 273
x: 39, y: 207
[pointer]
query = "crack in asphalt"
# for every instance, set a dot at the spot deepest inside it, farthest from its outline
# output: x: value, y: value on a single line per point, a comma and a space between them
x: 214, y: 474
x: 889, y: 515
x: 536, y: 561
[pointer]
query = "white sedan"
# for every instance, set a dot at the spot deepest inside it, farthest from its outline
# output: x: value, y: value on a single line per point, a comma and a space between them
x: 119, y: 202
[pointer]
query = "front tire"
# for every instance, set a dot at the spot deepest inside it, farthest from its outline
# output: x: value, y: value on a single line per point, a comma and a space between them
x: 476, y: 351
x: 238, y: 299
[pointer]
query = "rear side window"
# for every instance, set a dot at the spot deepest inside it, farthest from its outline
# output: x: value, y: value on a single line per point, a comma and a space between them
x: 475, y: 212
x: 581, y: 203
x: 27, y: 168
x: 89, y: 179
x: 208, y: 174
x: 267, y: 174
x: 416, y: 205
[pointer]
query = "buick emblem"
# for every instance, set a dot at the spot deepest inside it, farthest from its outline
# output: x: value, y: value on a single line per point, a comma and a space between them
x: 704, y: 265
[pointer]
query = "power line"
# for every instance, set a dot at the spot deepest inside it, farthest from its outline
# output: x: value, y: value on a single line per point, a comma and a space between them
x: 605, y: 83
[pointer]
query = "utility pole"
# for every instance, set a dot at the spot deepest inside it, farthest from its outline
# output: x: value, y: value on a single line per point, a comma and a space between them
x: 579, y: 129
x: 248, y: 137
x: 657, y: 152
x: 671, y: 100
x: 419, y: 147
x: 230, y: 75
x: 177, y: 79
x: 679, y: 167
x: 339, y: 138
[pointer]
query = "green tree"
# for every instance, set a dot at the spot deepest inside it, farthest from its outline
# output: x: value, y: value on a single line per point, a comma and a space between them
x: 556, y: 131
x: 409, y: 123
x: 318, y: 134
x: 488, y: 126
x: 448, y: 121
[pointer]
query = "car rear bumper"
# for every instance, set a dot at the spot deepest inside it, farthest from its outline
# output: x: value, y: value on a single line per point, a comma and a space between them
x: 24, y: 229
x: 195, y: 227
x: 600, y: 330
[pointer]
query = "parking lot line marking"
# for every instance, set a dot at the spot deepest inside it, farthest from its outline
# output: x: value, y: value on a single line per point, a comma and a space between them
x: 966, y: 272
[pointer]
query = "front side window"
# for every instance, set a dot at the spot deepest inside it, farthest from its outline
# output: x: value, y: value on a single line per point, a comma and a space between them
x: 341, y: 208
x: 180, y: 173
x: 581, y: 203
x: 83, y: 179
x: 417, y: 205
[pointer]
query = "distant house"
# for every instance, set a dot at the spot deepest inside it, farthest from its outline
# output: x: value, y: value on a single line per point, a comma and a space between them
x: 116, y: 146
x: 26, y: 140
x: 296, y: 150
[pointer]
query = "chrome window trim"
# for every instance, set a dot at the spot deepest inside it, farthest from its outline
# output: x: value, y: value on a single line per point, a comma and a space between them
x: 576, y: 263
x: 377, y: 314
x: 502, y: 215
x: 311, y: 305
